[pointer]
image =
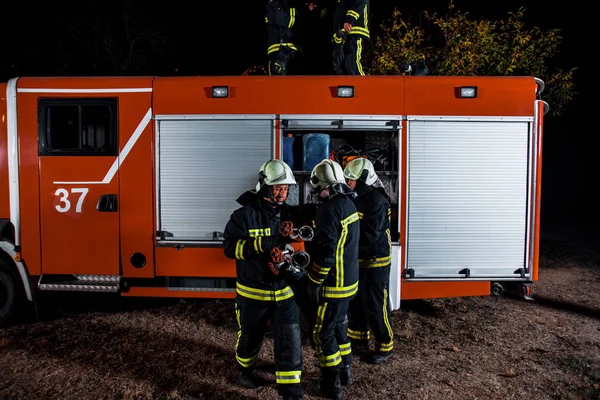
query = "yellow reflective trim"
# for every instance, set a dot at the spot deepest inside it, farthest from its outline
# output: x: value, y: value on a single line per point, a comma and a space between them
x: 246, y: 362
x: 331, y: 360
x: 339, y: 292
x: 386, y: 317
x: 273, y: 48
x: 292, y: 17
x: 264, y: 295
x: 318, y: 328
x: 381, y: 262
x: 260, y: 231
x: 358, y: 57
x: 345, y: 349
x: 290, y: 45
x: 353, y: 14
x: 239, y: 324
x: 239, y: 249
x: 359, y: 335
x: 288, y: 377
x: 357, y: 30
x: 352, y: 218
x: 339, y: 251
x: 318, y: 282
x: 384, y: 346
x: 339, y: 257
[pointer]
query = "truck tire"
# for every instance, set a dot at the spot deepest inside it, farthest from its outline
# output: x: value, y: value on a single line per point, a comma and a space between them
x: 8, y: 294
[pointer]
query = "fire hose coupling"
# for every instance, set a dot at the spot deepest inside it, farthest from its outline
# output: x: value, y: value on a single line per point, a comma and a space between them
x: 304, y: 233
x: 289, y: 259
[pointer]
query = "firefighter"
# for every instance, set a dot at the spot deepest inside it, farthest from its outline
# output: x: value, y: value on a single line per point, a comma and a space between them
x: 350, y: 36
x: 262, y: 294
x: 333, y: 278
x: 281, y: 19
x: 370, y: 310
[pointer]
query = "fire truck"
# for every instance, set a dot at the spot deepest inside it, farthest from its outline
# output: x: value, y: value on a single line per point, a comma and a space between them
x: 125, y: 184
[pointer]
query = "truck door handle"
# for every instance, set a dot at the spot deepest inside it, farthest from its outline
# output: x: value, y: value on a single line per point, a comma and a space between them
x: 107, y: 203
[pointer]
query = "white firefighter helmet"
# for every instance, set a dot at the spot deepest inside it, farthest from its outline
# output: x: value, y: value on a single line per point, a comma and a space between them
x: 361, y: 169
x: 275, y: 172
x: 326, y: 173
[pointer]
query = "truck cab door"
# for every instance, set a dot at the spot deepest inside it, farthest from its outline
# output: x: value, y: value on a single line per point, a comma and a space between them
x: 79, y: 185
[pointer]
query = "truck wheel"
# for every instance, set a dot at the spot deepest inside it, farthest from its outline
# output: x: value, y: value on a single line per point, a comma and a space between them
x: 8, y: 294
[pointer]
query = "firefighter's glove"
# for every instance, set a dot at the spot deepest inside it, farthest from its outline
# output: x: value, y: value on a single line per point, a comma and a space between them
x: 313, y: 292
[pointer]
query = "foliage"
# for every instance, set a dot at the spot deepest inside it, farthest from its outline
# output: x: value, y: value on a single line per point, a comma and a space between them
x: 458, y: 45
x: 118, y: 40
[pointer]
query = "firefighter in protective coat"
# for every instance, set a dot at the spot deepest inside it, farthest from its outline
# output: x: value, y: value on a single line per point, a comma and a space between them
x: 350, y: 36
x: 370, y: 310
x: 281, y: 20
x: 261, y: 293
x: 333, y: 278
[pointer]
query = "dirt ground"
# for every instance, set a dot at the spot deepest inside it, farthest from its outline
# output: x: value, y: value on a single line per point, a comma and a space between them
x: 98, y: 347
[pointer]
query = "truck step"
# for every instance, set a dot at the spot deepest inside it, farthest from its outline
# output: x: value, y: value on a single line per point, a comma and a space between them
x: 83, y: 283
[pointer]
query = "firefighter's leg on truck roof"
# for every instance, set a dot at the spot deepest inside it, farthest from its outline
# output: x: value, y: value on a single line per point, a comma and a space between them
x: 252, y: 317
x: 288, y: 348
x: 278, y: 64
x: 380, y: 322
x: 338, y: 53
x: 358, y: 314
x: 353, y: 54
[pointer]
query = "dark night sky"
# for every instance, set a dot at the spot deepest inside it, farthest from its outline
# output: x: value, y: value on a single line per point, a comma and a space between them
x: 226, y: 37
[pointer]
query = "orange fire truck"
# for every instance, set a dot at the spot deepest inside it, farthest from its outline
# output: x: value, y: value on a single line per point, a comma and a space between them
x: 124, y: 184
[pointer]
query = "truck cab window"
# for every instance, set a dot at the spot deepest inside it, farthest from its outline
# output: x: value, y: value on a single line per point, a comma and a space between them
x: 77, y: 127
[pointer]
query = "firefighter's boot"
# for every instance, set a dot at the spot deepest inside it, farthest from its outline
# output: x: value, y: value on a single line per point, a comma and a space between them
x: 380, y: 357
x: 331, y: 385
x: 346, y: 376
x: 246, y: 379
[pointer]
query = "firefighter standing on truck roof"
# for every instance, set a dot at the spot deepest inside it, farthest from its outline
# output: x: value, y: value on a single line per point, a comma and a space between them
x: 350, y: 36
x: 333, y: 279
x: 251, y: 233
x: 281, y: 19
x: 370, y: 310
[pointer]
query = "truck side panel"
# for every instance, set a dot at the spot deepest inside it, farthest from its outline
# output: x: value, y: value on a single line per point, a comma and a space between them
x: 136, y: 180
x: 4, y: 199
x: 133, y: 96
x: 29, y: 189
x: 290, y: 95
x: 438, y: 95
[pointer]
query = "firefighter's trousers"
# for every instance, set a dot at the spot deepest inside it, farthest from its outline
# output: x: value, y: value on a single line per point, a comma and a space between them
x: 332, y: 345
x: 252, y: 317
x: 370, y: 310
x: 354, y: 47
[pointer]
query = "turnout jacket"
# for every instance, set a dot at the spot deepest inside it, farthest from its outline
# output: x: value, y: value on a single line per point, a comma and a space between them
x: 375, y: 246
x: 243, y: 242
x: 335, y: 248
x: 354, y: 12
